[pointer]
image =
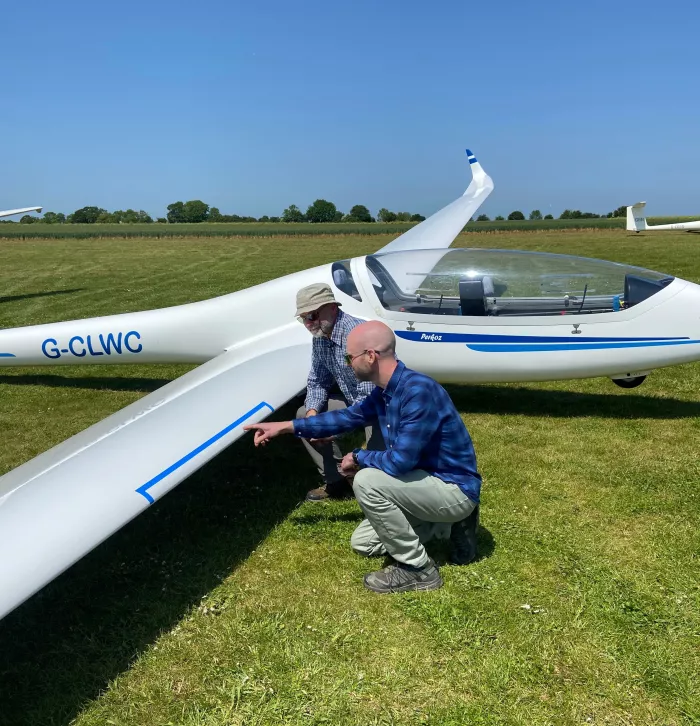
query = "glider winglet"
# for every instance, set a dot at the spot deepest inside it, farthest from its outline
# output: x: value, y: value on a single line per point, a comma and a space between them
x: 439, y: 230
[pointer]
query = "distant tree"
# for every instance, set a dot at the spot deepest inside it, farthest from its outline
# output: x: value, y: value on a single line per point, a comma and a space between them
x: 590, y: 215
x: 321, y: 211
x: 107, y: 218
x: 619, y: 212
x: 516, y: 216
x: 499, y: 218
x: 338, y: 216
x: 483, y: 218
x: 214, y: 215
x: 417, y: 218
x: 548, y: 216
x: 27, y: 219
x: 54, y: 218
x: 195, y: 211
x: 275, y: 219
x: 566, y: 214
x: 85, y: 215
x: 161, y: 220
x: 176, y: 212
x: 359, y: 213
x: 293, y: 214
x: 535, y: 214
x: 403, y: 216
x: 264, y: 218
x: 384, y: 215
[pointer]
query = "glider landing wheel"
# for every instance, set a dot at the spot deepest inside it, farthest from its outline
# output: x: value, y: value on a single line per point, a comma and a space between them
x: 629, y: 382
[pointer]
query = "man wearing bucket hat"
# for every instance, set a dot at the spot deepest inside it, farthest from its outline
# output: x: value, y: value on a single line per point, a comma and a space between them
x: 321, y: 315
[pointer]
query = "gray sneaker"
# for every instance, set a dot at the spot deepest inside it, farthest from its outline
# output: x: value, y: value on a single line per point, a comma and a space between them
x: 402, y: 578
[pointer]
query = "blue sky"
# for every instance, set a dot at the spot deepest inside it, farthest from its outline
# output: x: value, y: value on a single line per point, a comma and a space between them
x: 255, y: 106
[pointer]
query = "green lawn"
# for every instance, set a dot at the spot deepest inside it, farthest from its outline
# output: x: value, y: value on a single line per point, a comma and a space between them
x: 231, y: 602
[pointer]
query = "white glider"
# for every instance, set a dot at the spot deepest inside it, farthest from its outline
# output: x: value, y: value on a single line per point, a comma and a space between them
x: 637, y: 222
x: 459, y: 315
x: 24, y: 210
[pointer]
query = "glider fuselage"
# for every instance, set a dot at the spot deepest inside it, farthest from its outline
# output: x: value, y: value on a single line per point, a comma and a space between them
x: 560, y: 334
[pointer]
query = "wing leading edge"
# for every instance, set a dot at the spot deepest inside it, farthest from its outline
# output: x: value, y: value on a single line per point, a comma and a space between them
x: 57, y: 507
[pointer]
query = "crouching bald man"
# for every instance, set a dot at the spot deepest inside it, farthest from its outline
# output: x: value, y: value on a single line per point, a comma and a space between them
x: 427, y: 476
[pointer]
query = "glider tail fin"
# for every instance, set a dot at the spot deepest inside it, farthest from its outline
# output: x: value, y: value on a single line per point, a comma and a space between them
x: 636, y: 221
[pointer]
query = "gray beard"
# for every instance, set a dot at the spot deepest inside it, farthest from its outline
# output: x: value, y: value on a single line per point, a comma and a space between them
x: 324, y: 330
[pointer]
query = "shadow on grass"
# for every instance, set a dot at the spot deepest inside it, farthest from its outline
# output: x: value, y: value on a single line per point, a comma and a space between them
x: 102, y: 383
x: 567, y: 404
x: 62, y: 648
x: 27, y: 296
x: 319, y: 517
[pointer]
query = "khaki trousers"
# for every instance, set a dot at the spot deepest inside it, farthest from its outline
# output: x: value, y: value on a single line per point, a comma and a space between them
x: 328, y: 456
x: 404, y: 512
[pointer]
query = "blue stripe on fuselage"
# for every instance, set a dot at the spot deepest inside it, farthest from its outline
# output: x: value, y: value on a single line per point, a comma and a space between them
x: 541, y: 347
x: 430, y: 337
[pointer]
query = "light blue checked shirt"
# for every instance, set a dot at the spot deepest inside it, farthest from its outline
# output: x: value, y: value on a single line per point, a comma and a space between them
x: 328, y: 367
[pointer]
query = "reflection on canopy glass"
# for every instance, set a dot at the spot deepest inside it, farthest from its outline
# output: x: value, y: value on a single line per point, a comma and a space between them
x: 507, y: 282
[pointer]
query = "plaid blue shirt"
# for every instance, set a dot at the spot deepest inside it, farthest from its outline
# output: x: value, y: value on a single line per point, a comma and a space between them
x: 328, y: 367
x: 421, y: 428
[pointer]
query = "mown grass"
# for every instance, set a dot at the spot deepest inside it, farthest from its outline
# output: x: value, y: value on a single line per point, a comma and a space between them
x: 230, y: 602
x: 269, y: 229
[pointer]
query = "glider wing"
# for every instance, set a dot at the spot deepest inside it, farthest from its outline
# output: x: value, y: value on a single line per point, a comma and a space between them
x: 57, y: 507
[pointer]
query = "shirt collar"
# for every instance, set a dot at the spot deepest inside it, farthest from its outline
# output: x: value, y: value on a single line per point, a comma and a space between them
x: 391, y: 387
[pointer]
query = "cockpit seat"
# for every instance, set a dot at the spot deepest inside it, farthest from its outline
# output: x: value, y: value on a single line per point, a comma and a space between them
x: 471, y: 296
x: 639, y: 288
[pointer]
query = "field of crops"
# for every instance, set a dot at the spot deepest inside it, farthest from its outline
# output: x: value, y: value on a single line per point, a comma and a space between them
x: 305, y: 229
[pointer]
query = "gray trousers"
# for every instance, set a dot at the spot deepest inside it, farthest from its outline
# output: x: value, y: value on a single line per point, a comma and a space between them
x: 405, y: 512
x: 328, y: 456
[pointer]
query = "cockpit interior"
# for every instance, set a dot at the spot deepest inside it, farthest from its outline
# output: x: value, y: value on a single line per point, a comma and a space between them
x: 477, y: 282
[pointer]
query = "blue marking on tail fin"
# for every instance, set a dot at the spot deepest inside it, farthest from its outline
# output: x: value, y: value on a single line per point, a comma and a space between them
x: 471, y: 158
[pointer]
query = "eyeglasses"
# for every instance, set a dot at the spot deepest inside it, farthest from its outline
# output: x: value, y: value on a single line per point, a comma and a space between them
x: 350, y: 358
x: 308, y: 317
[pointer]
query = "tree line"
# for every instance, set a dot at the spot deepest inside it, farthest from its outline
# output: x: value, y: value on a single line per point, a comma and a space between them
x: 535, y: 214
x: 196, y: 211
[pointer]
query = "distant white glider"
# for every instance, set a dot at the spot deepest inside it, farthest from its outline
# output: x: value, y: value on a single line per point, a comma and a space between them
x: 24, y: 210
x: 637, y: 222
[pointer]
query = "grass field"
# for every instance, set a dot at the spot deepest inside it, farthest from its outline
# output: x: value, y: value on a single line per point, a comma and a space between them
x: 231, y: 602
x: 269, y: 229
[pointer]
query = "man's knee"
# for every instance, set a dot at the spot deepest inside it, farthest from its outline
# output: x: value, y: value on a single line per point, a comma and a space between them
x: 362, y: 482
x: 364, y: 542
x: 359, y: 543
